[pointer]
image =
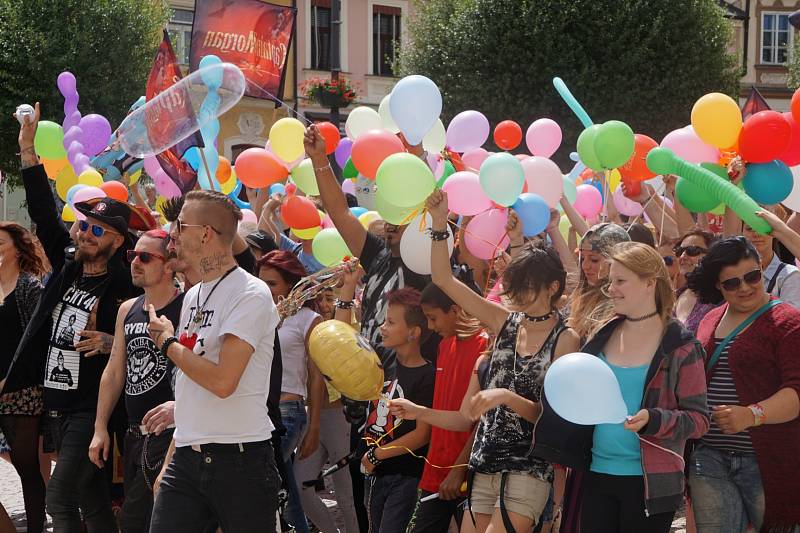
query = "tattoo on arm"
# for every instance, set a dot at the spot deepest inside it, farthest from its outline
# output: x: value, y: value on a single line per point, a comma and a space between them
x: 106, y: 343
x: 28, y: 157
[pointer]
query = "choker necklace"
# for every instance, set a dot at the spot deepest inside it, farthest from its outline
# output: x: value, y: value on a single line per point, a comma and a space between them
x: 640, y: 318
x: 538, y: 318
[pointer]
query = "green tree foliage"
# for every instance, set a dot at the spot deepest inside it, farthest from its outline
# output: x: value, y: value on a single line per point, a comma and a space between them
x: 109, y: 46
x: 794, y: 66
x: 641, y: 61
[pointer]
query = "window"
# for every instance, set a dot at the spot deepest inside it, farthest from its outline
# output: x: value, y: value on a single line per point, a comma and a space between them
x: 775, y: 38
x: 320, y: 35
x: 180, y: 33
x: 237, y: 149
x: 385, y: 39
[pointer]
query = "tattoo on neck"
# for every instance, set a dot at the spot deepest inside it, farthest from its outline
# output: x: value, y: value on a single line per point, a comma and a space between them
x: 212, y: 262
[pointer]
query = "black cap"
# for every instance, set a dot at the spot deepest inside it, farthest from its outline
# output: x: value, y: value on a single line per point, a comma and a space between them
x: 262, y: 241
x: 108, y: 211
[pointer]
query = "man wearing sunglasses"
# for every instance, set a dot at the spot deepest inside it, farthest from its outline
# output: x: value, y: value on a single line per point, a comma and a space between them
x: 137, y: 365
x: 781, y: 280
x: 82, y: 293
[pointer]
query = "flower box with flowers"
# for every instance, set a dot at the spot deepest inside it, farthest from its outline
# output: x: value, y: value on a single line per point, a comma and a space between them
x: 329, y: 93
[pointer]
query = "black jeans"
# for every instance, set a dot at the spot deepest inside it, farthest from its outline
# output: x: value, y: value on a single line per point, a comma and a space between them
x: 77, y: 486
x: 238, y: 490
x: 390, y: 502
x: 433, y: 516
x: 138, y: 504
x: 615, y: 504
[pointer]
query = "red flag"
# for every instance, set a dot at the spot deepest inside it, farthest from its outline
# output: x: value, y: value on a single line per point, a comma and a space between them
x: 754, y: 103
x: 164, y: 74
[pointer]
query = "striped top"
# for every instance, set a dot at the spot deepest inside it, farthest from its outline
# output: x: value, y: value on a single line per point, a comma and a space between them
x: 722, y: 391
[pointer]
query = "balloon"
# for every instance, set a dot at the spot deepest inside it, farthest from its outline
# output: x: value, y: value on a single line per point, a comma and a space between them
x: 573, y: 104
x: 582, y: 389
x: 361, y: 120
x: 368, y: 218
x: 534, y: 213
x: 636, y: 167
x: 53, y: 166
x: 564, y: 227
x: 85, y: 194
x: 229, y: 186
x: 664, y: 161
x: 507, y: 135
x: 436, y: 139
x: 306, y: 234
x: 415, y: 245
x: 330, y: 134
x: 349, y: 171
x: 192, y: 156
x: 64, y: 181
x: 588, y: 201
x: 415, y: 105
x: 346, y: 360
x: 406, y: 179
x: 96, y: 132
x: 223, y: 170
x: 393, y: 214
x: 303, y: 176
x: 249, y: 216
x: 764, y: 136
x: 467, y: 130
x: 342, y: 152
x: 115, y: 190
x: 365, y: 192
x: 465, y: 195
x: 543, y: 137
x: 370, y: 150
x: 614, y: 143
x: 625, y: 205
x: 791, y: 156
x: 329, y: 247
x: 502, y: 178
x: 387, y: 122
x: 447, y: 171
x: 768, y: 183
x: 544, y: 178
x: 693, y: 197
x: 348, y: 187
x: 286, y: 139
x: 140, y: 140
x: 256, y: 168
x: 90, y: 177
x: 67, y: 214
x: 586, y: 148
x: 717, y: 120
x: 570, y: 190
x: 166, y: 187
x: 687, y: 145
x: 485, y: 235
x: 474, y: 158
x: 299, y: 212
x: 49, y: 140
x: 71, y: 192
x: 793, y: 200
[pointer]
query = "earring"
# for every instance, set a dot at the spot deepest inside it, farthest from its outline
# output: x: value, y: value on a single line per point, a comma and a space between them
x: 411, y: 338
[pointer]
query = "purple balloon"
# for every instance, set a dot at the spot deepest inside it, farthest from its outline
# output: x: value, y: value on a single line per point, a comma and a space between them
x: 151, y: 166
x: 348, y: 187
x: 66, y: 83
x: 81, y: 164
x: 96, y: 131
x: 72, y: 117
x: 72, y: 134
x: 342, y: 152
x: 468, y: 130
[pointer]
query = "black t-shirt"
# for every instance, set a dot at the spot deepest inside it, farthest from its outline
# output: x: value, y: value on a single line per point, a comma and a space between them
x: 149, y: 375
x: 416, y: 385
x: 247, y: 261
x: 12, y: 331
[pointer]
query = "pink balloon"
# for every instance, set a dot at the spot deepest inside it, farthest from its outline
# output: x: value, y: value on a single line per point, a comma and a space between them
x: 625, y: 205
x: 475, y: 158
x: 84, y: 194
x: 485, y: 235
x: 327, y: 222
x: 521, y: 157
x: 467, y: 130
x: 687, y: 145
x: 348, y: 187
x: 436, y: 164
x: 151, y: 166
x: 249, y: 216
x: 543, y: 137
x: 588, y: 201
x: 544, y: 178
x: 465, y: 195
x: 165, y: 186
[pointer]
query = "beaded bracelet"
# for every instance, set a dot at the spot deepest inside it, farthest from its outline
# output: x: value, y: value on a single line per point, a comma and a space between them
x: 343, y: 304
x: 438, y: 235
x: 372, y: 458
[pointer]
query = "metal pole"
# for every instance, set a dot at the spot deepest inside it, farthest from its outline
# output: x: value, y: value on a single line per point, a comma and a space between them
x: 336, y: 63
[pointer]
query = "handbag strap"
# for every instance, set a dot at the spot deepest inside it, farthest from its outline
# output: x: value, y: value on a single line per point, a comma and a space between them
x: 774, y: 279
x: 738, y: 329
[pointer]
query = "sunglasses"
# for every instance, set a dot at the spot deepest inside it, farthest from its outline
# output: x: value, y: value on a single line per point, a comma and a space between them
x: 144, y: 257
x: 732, y: 284
x: 668, y: 260
x: 691, y: 251
x: 97, y: 231
x: 180, y: 225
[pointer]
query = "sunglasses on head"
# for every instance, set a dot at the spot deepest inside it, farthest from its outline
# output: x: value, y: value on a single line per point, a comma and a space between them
x: 691, y: 251
x: 751, y: 278
x: 97, y: 231
x: 144, y: 257
x: 668, y: 259
x: 179, y: 225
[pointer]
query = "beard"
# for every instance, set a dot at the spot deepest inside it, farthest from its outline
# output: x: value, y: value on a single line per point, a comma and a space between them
x: 101, y: 254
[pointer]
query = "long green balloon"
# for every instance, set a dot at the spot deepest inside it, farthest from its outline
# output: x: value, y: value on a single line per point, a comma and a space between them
x: 572, y: 102
x: 664, y: 161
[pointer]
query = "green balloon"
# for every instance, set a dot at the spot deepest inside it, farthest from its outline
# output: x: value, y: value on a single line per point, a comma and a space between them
x: 614, y: 144
x: 329, y: 247
x: 49, y: 140
x: 405, y: 179
x: 303, y: 177
x: 391, y: 213
x: 693, y: 197
x: 449, y: 170
x: 349, y: 171
x: 586, y: 148
x: 570, y: 190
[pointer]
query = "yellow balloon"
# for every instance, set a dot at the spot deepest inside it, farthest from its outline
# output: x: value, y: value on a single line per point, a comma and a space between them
x: 717, y: 120
x: 65, y: 179
x: 228, y: 186
x: 346, y: 360
x: 160, y: 201
x: 368, y: 218
x: 614, y: 178
x: 286, y: 139
x: 135, y: 176
x: 434, y: 140
x: 90, y: 177
x: 307, y: 234
x: 67, y: 214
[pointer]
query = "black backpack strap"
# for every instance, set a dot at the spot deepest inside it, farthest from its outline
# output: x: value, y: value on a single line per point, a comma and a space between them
x: 555, y: 342
x: 470, y: 482
x: 774, y: 279
x: 503, y: 511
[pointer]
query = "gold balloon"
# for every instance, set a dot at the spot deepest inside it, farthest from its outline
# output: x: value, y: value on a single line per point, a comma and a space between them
x: 65, y: 179
x: 67, y: 214
x: 346, y: 360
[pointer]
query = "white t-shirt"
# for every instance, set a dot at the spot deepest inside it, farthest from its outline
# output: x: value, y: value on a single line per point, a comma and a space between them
x: 241, y: 305
x: 294, y: 358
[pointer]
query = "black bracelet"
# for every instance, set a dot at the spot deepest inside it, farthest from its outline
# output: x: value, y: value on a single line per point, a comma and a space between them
x: 344, y: 304
x: 439, y: 235
x: 167, y: 343
x: 371, y: 456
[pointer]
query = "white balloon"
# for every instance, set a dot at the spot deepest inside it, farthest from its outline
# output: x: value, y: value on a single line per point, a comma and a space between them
x: 386, y: 115
x: 793, y: 200
x: 361, y: 119
x: 435, y: 139
x: 365, y: 192
x: 415, y: 245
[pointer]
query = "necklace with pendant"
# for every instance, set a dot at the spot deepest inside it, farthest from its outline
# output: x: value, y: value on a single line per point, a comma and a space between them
x: 198, y: 315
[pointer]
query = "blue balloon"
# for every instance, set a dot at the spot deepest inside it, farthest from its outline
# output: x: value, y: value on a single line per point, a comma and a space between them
x: 358, y: 211
x: 582, y: 389
x: 572, y: 102
x: 599, y: 186
x: 533, y: 212
x: 212, y: 79
x: 415, y: 104
x: 768, y: 183
x: 72, y: 190
x: 234, y: 195
x: 277, y: 188
x: 192, y: 156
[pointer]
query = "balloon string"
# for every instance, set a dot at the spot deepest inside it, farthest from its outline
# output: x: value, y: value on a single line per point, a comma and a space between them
x: 299, y: 115
x: 376, y: 442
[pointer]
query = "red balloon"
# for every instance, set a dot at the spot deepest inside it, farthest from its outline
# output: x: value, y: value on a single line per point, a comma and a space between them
x: 331, y: 135
x: 298, y: 212
x: 635, y: 169
x: 371, y: 148
x: 764, y: 137
x: 507, y: 135
x: 256, y: 168
x: 792, y: 154
x: 796, y: 105
x: 631, y: 188
x: 115, y: 190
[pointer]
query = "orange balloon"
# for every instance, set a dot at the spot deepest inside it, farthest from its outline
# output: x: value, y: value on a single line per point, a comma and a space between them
x: 507, y: 135
x: 371, y: 148
x: 331, y: 135
x: 223, y: 170
x: 635, y: 169
x: 53, y: 166
x: 115, y: 190
x: 256, y: 168
x: 298, y: 212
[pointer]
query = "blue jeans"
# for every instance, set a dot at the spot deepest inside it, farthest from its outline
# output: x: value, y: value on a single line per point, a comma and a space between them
x: 293, y: 417
x: 726, y: 491
x: 390, y: 502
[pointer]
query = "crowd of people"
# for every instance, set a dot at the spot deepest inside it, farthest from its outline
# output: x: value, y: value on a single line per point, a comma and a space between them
x: 167, y: 349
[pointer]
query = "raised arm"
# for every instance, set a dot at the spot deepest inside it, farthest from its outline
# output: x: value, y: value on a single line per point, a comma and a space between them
x: 564, y: 252
x: 575, y: 219
x: 781, y: 231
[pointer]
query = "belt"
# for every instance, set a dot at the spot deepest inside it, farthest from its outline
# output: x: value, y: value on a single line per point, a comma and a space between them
x: 237, y: 447
x: 139, y: 430
x: 53, y: 414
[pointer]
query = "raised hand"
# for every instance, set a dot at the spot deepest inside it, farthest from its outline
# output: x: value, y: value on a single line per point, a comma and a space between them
x: 314, y: 144
x: 436, y: 204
